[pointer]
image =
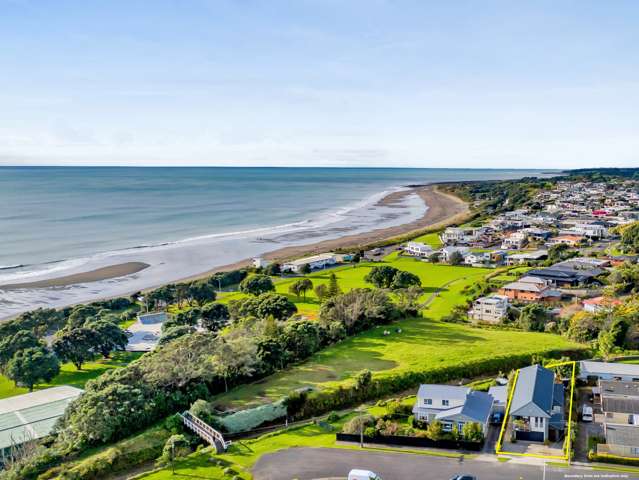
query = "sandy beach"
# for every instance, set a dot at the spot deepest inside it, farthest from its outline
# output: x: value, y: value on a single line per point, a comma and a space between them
x: 443, y: 209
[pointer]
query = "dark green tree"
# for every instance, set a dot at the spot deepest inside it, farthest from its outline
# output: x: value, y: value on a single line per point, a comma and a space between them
x: 333, y: 287
x: 257, y: 284
x: 109, y: 336
x: 77, y: 346
x: 172, y: 333
x: 404, y: 279
x: 215, y: 316
x: 455, y: 258
x: 21, y: 340
x: 31, y: 366
x: 381, y: 277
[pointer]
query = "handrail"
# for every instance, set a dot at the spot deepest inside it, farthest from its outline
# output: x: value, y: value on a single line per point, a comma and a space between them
x: 204, y: 430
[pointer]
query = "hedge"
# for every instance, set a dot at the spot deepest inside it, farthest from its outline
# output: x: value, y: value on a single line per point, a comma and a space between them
x: 412, y: 441
x: 608, y: 458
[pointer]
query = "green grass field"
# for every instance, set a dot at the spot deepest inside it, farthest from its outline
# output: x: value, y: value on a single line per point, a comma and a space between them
x: 69, y: 375
x: 431, y: 239
x: 423, y: 343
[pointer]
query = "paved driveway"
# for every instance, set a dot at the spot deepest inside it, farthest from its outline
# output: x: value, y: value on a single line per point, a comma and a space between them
x: 318, y: 463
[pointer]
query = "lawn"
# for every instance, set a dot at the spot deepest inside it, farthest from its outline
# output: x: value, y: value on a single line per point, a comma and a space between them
x: 423, y: 343
x: 431, y: 239
x: 69, y: 375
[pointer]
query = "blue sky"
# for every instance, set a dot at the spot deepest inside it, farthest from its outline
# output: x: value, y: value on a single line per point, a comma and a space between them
x: 337, y: 83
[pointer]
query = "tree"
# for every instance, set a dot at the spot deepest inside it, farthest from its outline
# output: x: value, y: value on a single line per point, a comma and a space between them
x: 275, y: 304
x: 33, y: 365
x: 257, y: 284
x: 273, y: 269
x: 174, y: 332
x: 202, y: 291
x: 381, y: 277
x: 533, y: 317
x: 359, y: 309
x: 455, y: 258
x: 404, y: 279
x: 333, y: 287
x: 305, y: 269
x: 321, y: 292
x: 109, y: 336
x: 408, y: 301
x: 215, y: 316
x: 606, y: 343
x: 630, y: 237
x: 434, y: 257
x: 300, y: 287
x: 76, y: 346
x: 21, y: 340
x: 235, y: 355
x: 363, y: 379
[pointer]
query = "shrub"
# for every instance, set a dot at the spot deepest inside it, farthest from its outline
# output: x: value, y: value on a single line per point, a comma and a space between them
x: 359, y: 423
x: 245, y: 420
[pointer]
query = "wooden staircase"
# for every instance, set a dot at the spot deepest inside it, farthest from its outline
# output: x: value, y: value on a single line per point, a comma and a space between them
x: 205, y: 431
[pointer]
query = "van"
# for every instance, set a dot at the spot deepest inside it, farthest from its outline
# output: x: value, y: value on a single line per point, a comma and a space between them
x: 357, y: 474
x: 586, y: 414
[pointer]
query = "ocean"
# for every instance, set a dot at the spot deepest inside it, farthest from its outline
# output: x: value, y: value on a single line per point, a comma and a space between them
x: 56, y: 221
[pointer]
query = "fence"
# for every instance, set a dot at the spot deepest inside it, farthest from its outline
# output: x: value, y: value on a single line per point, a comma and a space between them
x: 412, y: 442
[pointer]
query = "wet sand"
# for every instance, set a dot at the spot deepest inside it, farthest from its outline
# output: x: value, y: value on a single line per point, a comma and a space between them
x: 443, y: 209
x: 106, y: 273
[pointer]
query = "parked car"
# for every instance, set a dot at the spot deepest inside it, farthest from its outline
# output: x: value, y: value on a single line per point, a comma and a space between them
x: 463, y: 477
x: 586, y: 414
x: 497, y: 417
x: 357, y: 474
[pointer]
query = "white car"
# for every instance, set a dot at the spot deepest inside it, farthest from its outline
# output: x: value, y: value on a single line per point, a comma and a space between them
x: 357, y: 474
x: 586, y: 414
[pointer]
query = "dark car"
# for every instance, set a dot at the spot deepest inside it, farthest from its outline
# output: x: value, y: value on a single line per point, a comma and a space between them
x: 463, y: 477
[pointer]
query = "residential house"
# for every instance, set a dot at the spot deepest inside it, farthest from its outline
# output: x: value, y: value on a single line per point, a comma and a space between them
x: 620, y: 408
x: 453, y: 405
x: 537, y: 405
x: 457, y: 235
x: 530, y: 289
x: 446, y: 252
x: 315, y: 262
x: 490, y: 309
x: 514, y: 241
x: 570, y: 240
x: 418, y: 249
x: 568, y: 274
x: 594, y: 371
x: 259, y: 262
x: 600, y: 304
x: 527, y: 257
x: 537, y: 234
x: 477, y: 258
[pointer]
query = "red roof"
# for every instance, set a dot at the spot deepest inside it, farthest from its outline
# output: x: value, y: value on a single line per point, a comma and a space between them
x: 601, y: 301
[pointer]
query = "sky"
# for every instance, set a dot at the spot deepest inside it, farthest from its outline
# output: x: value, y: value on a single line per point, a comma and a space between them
x: 490, y: 84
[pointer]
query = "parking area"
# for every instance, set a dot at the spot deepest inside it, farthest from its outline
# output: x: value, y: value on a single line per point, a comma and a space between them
x: 587, y: 429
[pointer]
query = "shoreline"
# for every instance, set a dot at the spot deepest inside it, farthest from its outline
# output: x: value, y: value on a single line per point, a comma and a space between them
x: 442, y: 209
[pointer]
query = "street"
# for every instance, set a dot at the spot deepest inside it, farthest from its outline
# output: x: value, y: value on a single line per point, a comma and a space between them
x: 318, y: 463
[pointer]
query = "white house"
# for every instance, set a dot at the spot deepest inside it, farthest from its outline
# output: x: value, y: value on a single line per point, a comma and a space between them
x: 446, y: 252
x: 418, y: 249
x: 315, y: 262
x: 453, y: 235
x: 259, y: 262
x: 477, y: 258
x: 453, y: 405
x: 489, y: 309
x: 521, y: 258
x: 592, y: 371
x: 514, y: 241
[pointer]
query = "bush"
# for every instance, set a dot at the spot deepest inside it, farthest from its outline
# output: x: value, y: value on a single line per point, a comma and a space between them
x: 175, y: 447
x: 332, y: 417
x: 359, y: 423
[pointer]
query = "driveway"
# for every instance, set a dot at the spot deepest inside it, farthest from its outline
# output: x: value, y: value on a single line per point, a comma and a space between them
x: 322, y: 463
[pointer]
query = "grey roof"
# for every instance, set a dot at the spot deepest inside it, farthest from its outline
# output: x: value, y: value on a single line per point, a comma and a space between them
x: 622, y: 435
x: 442, y: 391
x: 533, y: 392
x: 620, y: 405
x: 33, y: 415
x: 499, y: 393
x: 476, y: 408
x: 616, y: 388
x: 607, y: 368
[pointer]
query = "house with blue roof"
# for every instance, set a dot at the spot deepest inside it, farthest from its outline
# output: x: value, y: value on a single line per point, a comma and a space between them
x: 452, y: 405
x: 537, y: 405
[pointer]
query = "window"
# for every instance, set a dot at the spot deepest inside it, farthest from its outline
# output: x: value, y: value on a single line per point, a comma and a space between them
x: 445, y: 403
x: 428, y: 401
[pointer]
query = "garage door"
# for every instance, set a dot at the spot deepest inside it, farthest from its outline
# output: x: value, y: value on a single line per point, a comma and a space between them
x: 530, y: 436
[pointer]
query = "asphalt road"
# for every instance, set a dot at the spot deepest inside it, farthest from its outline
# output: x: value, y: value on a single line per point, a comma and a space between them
x: 319, y: 463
